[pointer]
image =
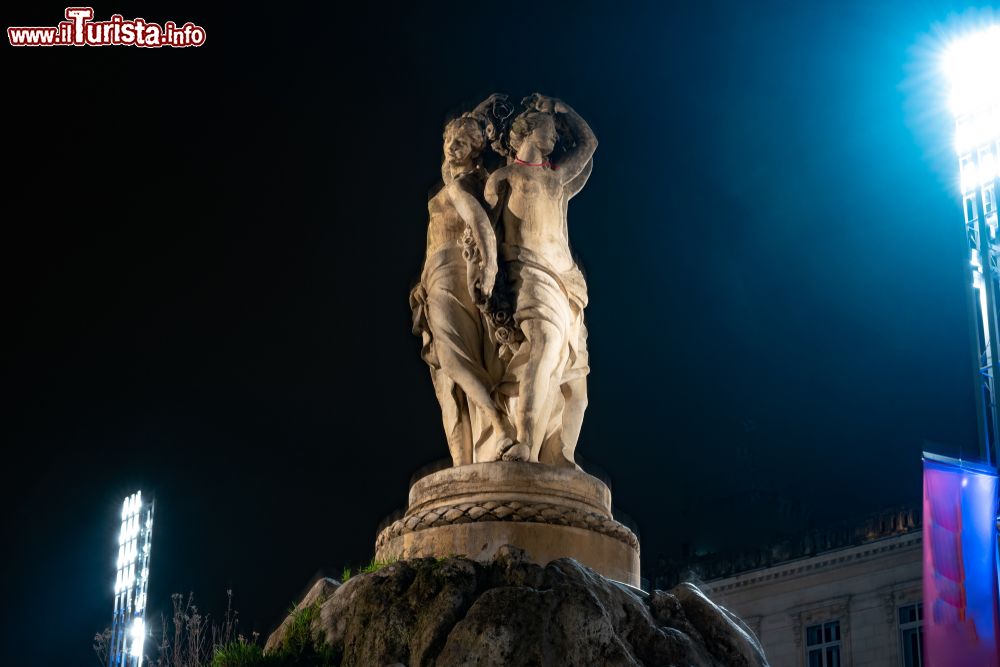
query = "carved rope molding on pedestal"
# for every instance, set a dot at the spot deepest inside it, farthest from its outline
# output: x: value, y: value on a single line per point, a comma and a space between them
x: 508, y: 511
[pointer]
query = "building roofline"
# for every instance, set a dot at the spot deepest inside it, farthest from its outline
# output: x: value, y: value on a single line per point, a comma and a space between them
x: 811, y: 564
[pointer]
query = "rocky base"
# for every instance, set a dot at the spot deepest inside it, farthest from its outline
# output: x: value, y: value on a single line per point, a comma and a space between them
x: 456, y: 612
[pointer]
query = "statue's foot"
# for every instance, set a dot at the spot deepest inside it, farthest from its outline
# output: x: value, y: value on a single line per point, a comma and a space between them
x: 518, y: 452
x: 503, y: 444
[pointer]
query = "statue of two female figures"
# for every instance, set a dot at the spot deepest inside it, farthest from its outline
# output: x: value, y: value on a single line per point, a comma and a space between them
x: 500, y: 301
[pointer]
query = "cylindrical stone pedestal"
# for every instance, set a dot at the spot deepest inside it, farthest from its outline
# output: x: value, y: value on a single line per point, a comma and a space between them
x: 548, y: 512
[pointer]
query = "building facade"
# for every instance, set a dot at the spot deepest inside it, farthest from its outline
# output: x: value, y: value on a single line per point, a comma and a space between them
x: 859, y: 606
x: 846, y: 597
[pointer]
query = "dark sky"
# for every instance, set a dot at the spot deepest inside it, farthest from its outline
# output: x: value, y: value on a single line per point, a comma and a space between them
x: 207, y: 254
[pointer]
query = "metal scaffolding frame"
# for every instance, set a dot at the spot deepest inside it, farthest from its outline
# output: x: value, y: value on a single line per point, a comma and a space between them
x: 972, y: 65
x: 979, y: 197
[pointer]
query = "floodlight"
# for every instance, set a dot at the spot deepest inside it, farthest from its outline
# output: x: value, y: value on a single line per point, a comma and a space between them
x: 138, y: 637
x: 131, y: 582
x: 971, y: 66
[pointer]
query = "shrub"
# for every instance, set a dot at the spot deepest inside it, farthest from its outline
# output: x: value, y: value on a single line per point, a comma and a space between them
x: 376, y: 565
x: 240, y: 653
x: 299, y: 648
x: 372, y: 566
x: 190, y: 639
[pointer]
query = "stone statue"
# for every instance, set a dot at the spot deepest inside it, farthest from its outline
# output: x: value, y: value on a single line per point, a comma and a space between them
x: 500, y: 302
x: 547, y: 373
x: 464, y: 366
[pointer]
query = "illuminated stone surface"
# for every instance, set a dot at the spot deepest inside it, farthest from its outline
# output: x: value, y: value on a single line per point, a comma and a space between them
x: 548, y: 512
x: 500, y: 302
x: 510, y: 612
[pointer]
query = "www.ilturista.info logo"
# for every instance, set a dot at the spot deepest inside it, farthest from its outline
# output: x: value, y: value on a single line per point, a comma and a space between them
x: 79, y: 29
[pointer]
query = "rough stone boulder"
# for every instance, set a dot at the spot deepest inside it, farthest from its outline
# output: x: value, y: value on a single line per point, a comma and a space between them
x: 455, y: 612
x: 316, y: 595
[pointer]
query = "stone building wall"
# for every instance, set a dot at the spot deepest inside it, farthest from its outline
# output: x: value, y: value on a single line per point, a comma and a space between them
x: 861, y: 587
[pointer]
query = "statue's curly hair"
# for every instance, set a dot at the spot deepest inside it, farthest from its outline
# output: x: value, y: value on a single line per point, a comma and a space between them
x: 470, y: 125
x: 524, y: 125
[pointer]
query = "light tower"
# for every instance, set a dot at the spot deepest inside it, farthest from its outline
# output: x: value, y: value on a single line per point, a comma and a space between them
x: 128, y: 630
x: 972, y: 66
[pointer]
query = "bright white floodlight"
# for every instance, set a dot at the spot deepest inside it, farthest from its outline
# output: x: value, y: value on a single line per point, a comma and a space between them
x: 972, y: 66
x: 128, y: 632
x: 138, y: 637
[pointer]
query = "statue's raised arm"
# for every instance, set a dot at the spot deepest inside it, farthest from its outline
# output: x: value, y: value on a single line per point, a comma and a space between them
x: 574, y: 162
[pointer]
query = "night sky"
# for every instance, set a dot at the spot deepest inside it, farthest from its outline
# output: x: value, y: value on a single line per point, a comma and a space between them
x: 207, y: 255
